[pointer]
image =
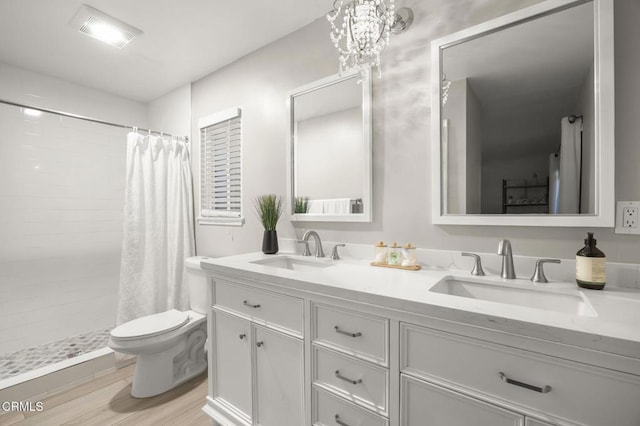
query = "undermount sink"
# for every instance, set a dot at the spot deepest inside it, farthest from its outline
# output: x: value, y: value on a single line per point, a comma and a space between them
x: 293, y: 263
x: 568, y: 303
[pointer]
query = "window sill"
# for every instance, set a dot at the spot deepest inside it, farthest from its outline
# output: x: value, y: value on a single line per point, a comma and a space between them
x: 221, y: 221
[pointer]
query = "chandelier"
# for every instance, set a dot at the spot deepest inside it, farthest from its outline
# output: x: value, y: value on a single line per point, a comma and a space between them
x: 360, y: 30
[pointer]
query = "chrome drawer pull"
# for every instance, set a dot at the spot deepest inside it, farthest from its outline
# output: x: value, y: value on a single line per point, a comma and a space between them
x: 346, y: 379
x: 259, y: 344
x: 504, y: 378
x: 340, y: 422
x: 245, y: 303
x: 243, y: 336
x: 346, y: 333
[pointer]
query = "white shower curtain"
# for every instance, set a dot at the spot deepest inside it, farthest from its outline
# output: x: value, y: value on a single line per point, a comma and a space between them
x: 158, y: 227
x: 570, y: 166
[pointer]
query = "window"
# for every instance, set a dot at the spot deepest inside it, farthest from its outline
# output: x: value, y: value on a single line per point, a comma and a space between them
x: 221, y: 168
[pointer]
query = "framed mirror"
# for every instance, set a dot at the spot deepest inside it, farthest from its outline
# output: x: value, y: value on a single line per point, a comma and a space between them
x: 523, y: 119
x: 330, y: 150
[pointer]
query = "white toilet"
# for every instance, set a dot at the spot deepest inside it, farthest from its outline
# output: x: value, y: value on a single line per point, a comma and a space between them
x: 170, y: 345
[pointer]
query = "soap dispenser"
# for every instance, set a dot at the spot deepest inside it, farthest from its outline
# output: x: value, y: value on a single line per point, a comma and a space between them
x: 590, y: 265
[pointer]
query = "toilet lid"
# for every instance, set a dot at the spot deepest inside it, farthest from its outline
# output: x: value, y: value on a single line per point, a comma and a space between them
x: 151, y: 325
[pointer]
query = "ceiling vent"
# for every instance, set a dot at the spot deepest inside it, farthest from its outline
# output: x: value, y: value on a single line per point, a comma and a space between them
x: 99, y: 25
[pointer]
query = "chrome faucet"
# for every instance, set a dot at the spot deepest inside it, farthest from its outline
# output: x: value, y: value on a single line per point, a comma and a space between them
x: 504, y: 250
x: 477, y: 265
x: 538, y: 274
x: 316, y: 239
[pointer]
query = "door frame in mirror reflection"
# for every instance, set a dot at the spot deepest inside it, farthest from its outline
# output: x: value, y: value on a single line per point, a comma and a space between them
x: 364, y: 203
x: 604, y: 190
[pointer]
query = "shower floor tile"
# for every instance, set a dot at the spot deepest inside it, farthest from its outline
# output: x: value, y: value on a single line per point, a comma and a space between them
x: 36, y: 357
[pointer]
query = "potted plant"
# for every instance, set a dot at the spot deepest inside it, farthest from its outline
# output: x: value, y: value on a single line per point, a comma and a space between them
x: 269, y: 208
x: 301, y: 205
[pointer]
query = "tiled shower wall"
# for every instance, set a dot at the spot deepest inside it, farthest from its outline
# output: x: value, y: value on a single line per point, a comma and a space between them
x: 61, y: 202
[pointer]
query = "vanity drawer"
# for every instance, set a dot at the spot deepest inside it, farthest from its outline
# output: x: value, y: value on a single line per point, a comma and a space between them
x: 573, y: 391
x: 273, y: 310
x: 361, y: 382
x: 361, y: 335
x: 328, y: 409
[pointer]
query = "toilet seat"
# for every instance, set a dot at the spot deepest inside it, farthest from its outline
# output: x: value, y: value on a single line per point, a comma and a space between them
x: 151, y: 325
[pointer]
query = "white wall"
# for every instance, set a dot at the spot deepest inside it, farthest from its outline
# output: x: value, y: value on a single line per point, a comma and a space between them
x: 30, y: 88
x: 171, y: 113
x: 401, y: 114
x: 61, y: 200
x: 258, y: 83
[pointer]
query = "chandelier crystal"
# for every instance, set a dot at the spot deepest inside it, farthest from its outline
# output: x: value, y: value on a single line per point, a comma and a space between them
x: 446, y: 85
x: 360, y: 31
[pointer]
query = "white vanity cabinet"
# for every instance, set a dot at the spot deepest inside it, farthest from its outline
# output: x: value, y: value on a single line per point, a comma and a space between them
x: 279, y: 379
x: 351, y: 361
x: 520, y: 381
x: 231, y: 364
x: 424, y: 403
x: 289, y: 352
x: 256, y: 370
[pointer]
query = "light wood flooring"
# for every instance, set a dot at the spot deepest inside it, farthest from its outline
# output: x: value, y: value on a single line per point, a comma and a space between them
x: 107, y: 400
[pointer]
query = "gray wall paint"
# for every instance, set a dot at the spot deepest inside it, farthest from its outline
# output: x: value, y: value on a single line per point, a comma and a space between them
x: 401, y: 114
x: 329, y: 158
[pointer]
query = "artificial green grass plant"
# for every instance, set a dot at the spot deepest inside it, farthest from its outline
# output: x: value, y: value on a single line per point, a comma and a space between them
x: 301, y: 205
x: 269, y: 208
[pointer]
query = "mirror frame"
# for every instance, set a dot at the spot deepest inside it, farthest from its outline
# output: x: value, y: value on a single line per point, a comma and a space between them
x: 604, y: 101
x: 367, y: 135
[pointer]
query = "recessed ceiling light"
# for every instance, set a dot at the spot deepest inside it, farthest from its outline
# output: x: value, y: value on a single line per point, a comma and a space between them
x: 99, y: 25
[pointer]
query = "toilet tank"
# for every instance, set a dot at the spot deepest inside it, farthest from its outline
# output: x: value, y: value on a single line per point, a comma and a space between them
x: 197, y: 282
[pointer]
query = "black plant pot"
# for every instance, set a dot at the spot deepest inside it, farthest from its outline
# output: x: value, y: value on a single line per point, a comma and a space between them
x: 270, y: 242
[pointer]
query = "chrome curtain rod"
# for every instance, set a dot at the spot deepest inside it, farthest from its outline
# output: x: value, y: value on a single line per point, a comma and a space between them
x: 93, y: 120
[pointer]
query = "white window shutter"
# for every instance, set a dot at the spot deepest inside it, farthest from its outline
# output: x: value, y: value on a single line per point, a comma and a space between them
x: 221, y: 168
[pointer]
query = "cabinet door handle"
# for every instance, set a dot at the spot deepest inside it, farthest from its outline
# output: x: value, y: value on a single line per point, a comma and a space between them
x: 259, y: 344
x: 245, y: 303
x: 243, y: 336
x: 504, y: 378
x: 346, y: 379
x: 340, y: 422
x: 347, y: 333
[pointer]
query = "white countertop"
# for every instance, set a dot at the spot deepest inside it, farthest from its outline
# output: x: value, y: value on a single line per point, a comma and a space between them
x: 615, y: 329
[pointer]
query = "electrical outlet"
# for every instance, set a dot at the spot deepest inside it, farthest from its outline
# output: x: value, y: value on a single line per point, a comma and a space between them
x: 627, y: 217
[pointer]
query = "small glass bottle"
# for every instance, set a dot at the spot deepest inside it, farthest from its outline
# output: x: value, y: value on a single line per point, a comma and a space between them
x: 381, y: 253
x: 409, y: 255
x: 395, y: 255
